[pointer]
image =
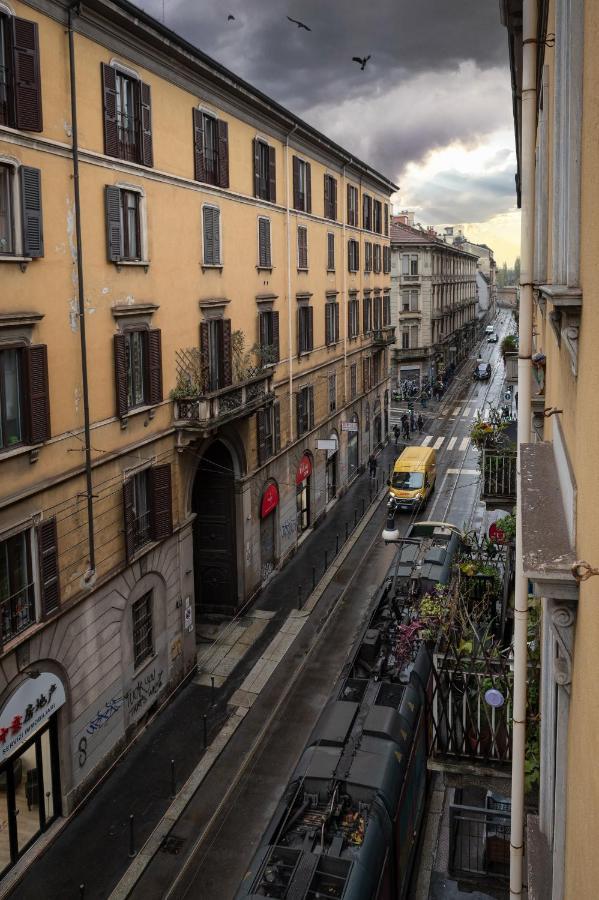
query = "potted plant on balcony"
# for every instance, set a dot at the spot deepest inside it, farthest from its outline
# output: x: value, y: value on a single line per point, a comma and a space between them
x: 509, y: 345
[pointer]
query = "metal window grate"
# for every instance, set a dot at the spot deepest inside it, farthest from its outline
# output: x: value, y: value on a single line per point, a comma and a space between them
x: 143, y: 646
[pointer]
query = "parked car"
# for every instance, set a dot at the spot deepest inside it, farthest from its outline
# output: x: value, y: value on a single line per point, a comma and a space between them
x: 490, y: 329
x: 482, y: 372
x: 492, y: 339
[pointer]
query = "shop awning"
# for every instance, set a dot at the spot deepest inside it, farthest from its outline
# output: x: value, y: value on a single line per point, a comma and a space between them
x: 270, y: 500
x: 304, y: 470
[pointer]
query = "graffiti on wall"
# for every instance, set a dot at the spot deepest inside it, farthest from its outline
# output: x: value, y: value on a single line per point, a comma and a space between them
x: 288, y: 528
x: 144, y: 691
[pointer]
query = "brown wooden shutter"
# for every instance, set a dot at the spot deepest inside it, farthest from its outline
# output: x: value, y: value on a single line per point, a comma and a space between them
x: 112, y: 197
x: 327, y: 197
x: 227, y: 354
x: 38, y: 395
x: 26, y: 74
x: 120, y: 375
x: 261, y: 434
x: 154, y: 364
x: 349, y: 210
x: 299, y: 412
x: 198, y: 146
x: 311, y: 407
x: 147, y: 153
x: 310, y: 327
x: 333, y: 198
x: 264, y: 251
x: 129, y: 517
x: 327, y: 334
x: 47, y: 552
x: 31, y: 206
x: 256, y: 146
x: 272, y: 175
x: 161, y: 502
x: 386, y: 221
x: 276, y: 415
x: 299, y: 331
x: 111, y: 141
x: 308, y: 188
x: 204, y: 355
x: 223, y: 153
x: 275, y: 337
x: 296, y: 166
x: 336, y: 308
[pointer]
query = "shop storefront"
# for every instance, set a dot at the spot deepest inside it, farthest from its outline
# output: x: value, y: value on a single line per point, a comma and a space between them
x: 30, y: 796
x: 268, y: 507
x: 331, y: 469
x: 302, y: 485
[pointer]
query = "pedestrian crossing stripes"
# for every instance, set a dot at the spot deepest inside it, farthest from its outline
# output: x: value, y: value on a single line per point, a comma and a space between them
x: 466, y: 412
x: 427, y: 440
x: 457, y: 410
x: 464, y: 444
x: 452, y: 443
x: 438, y: 443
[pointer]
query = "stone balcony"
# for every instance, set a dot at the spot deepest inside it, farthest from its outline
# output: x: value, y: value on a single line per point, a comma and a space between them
x: 204, y: 414
x: 383, y: 337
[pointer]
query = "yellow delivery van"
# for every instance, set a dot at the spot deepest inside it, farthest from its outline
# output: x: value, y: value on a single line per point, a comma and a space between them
x: 413, y: 477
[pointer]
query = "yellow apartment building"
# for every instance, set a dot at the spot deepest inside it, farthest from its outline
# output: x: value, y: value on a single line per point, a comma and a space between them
x: 560, y: 487
x: 194, y: 292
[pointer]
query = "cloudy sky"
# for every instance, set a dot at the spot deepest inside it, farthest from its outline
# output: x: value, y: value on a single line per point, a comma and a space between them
x: 432, y: 110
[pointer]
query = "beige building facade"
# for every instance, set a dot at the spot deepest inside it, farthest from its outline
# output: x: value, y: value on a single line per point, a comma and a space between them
x: 230, y: 269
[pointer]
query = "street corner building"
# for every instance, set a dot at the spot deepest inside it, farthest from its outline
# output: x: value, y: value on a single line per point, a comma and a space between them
x: 555, y: 73
x: 186, y: 383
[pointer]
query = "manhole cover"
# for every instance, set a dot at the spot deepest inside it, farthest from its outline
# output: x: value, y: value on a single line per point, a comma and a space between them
x: 171, y: 844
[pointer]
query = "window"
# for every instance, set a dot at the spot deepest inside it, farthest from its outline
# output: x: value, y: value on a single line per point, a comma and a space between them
x: 386, y: 220
x: 377, y: 215
x: 378, y: 313
x: 216, y: 354
x: 147, y: 503
x: 386, y: 260
x: 143, y: 641
x: 367, y: 256
x: 330, y: 197
x: 386, y: 309
x: 24, y: 396
x: 269, y: 337
x: 331, y: 323
x: 332, y: 393
x: 352, y: 205
x: 305, y: 410
x: 21, y: 232
x: 409, y: 337
x: 367, y: 315
x: 17, y: 598
x: 409, y: 264
x: 7, y: 245
x: 376, y: 368
x: 367, y: 212
x: 302, y: 190
x: 409, y: 301
x: 211, y: 149
x: 353, y: 317
x: 138, y: 369
x: 123, y: 225
x: 265, y: 179
x: 305, y: 334
x: 366, y: 375
x: 264, y: 245
x: 302, y: 247
x: 127, y: 116
x: 377, y: 258
x: 211, y: 234
x: 353, y: 380
x: 20, y: 83
x: 353, y: 256
x: 330, y: 252
x: 269, y: 432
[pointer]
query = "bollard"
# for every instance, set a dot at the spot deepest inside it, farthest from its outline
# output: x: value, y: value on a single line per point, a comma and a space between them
x: 212, y: 703
x: 313, y: 577
x: 346, y: 531
x: 376, y: 487
x: 205, y: 724
x: 173, y: 785
x: 131, y: 838
x: 336, y: 545
x: 81, y: 891
x: 355, y: 517
x: 326, y: 559
x: 299, y: 596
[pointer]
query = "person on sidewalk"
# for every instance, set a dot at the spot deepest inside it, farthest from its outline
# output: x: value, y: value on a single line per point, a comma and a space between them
x: 412, y: 420
x: 372, y: 464
x: 420, y: 423
x: 405, y: 427
x: 396, y: 433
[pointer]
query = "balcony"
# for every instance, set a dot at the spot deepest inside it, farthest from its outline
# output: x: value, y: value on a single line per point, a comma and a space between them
x: 410, y: 279
x: 404, y: 353
x: 498, y: 483
x: 383, y: 337
x: 511, y: 367
x: 205, y: 413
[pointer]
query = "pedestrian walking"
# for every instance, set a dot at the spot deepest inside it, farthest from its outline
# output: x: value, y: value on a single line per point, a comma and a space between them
x: 412, y: 420
x: 405, y: 426
x: 396, y: 433
x: 372, y: 464
x: 420, y: 423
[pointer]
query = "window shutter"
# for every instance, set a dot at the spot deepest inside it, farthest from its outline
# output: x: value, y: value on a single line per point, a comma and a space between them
x: 299, y: 410
x: 198, y: 146
x: 129, y: 518
x: 327, y: 197
x: 47, y: 552
x: 300, y: 348
x: 216, y: 235
x: 327, y: 323
x: 161, y: 502
x: 349, y: 215
x: 227, y: 354
x: 336, y: 313
x: 264, y: 253
x: 211, y: 236
x: 112, y: 196
x: 31, y: 203
x: 308, y: 188
x: 272, y: 175
x: 261, y: 434
x: 386, y: 221
x: 357, y: 251
x: 147, y: 153
x: 120, y: 374
x: 333, y: 198
x: 311, y: 407
x: 256, y: 146
x: 38, y: 395
x: 111, y: 142
x: 296, y: 165
x: 275, y: 337
x: 154, y: 363
x: 310, y: 328
x: 204, y: 355
x: 223, y: 153
x: 26, y: 73
x: 349, y: 256
x: 276, y: 425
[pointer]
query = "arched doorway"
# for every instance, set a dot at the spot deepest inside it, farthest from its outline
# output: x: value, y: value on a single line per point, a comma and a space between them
x: 377, y: 424
x: 214, y: 548
x: 352, y: 447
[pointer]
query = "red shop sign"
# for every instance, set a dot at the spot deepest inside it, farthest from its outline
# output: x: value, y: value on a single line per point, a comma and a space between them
x: 270, y: 500
x: 304, y: 470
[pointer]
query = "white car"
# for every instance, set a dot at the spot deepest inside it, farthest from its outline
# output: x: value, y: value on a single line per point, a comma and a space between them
x: 492, y: 339
x: 489, y: 329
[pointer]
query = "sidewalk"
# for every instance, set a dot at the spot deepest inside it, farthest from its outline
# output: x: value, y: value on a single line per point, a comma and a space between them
x: 92, y: 849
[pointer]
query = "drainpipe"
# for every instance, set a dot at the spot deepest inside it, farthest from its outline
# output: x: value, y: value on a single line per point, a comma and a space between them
x: 289, y: 304
x: 81, y: 304
x: 529, y: 121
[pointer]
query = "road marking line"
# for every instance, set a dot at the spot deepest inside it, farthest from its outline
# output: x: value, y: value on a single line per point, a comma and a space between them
x: 457, y: 410
x: 452, y: 443
x: 438, y: 443
x: 464, y: 444
x: 466, y: 412
x: 463, y: 472
x: 427, y: 440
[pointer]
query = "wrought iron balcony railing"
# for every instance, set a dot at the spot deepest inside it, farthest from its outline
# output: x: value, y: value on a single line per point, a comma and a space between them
x: 498, y: 475
x: 382, y: 337
x: 212, y: 409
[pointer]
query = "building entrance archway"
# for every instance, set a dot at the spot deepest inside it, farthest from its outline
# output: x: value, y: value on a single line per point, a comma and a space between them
x: 214, y: 544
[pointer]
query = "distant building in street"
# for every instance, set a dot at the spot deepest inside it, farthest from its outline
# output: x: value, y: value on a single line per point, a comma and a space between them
x: 433, y: 302
x: 486, y: 274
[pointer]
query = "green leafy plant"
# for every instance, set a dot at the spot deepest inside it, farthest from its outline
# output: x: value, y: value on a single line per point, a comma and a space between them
x: 507, y: 524
x: 509, y: 344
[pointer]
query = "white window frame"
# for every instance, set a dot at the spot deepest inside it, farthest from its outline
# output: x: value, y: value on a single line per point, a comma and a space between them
x: 17, y: 219
x: 28, y: 525
x: 143, y: 224
x: 208, y: 265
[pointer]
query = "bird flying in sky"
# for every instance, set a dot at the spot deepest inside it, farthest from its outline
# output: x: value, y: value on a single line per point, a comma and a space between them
x: 298, y: 23
x: 362, y: 60
x: 230, y: 18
